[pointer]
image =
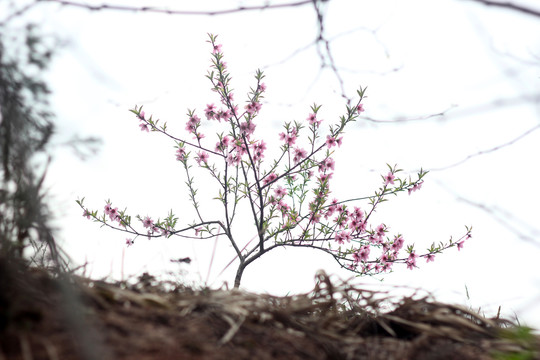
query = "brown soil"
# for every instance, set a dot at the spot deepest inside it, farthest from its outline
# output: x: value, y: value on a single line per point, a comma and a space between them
x: 47, y: 316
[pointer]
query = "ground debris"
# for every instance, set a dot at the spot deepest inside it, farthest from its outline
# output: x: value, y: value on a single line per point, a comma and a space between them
x: 149, y: 320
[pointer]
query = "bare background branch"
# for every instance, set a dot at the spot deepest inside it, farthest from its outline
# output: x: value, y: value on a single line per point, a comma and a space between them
x: 510, y: 6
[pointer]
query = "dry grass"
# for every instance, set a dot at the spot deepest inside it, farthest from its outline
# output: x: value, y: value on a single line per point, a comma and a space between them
x: 51, y: 317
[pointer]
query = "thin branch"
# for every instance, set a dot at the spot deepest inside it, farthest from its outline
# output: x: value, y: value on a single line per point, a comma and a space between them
x: 455, y: 111
x: 325, y: 54
x: 176, y: 12
x: 19, y: 12
x: 510, y: 6
x: 487, y: 151
x: 411, y: 119
x: 502, y: 217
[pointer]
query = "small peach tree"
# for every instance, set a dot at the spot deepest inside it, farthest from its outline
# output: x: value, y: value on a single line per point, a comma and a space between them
x: 288, y: 197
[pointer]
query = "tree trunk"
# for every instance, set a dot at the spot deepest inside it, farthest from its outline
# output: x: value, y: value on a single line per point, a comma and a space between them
x: 238, y: 277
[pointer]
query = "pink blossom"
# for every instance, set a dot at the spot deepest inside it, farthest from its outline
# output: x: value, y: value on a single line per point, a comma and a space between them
x: 141, y: 115
x: 386, y: 267
x: 234, y: 159
x: 322, y: 166
x: 258, y: 150
x: 147, y: 222
x: 229, y: 97
x: 190, y: 128
x: 269, y: 178
x: 210, y: 111
x: 325, y: 177
x: 202, y: 156
x: 199, y: 136
x: 362, y: 254
x: 410, y: 265
x: 180, y: 154
x: 354, y: 224
x: 460, y: 245
x: 346, y: 236
x: 330, y: 141
x: 430, y: 257
x: 198, y: 230
x: 289, y: 138
x: 312, y: 119
x: 389, y: 179
x: 262, y: 87
x: 144, y: 127
x: 223, y: 144
x: 412, y: 258
x: 217, y: 49
x: 299, y: 154
x: 380, y: 230
x: 260, y: 146
x: 129, y: 242
x: 343, y: 236
x: 341, y: 221
x: 234, y: 110
x: 398, y: 244
x: 108, y: 209
x: 224, y: 114
x: 247, y: 128
x: 358, y: 213
x: 357, y: 225
x: 339, y: 238
x: 316, y: 218
x: 283, y: 206
x: 253, y: 108
x: 86, y: 214
x: 195, y: 119
x: 330, y: 163
x: 280, y: 192
x: 226, y: 140
x: 366, y: 268
x: 360, y: 108
x: 113, y: 214
x: 415, y: 187
x: 326, y: 164
x: 331, y: 209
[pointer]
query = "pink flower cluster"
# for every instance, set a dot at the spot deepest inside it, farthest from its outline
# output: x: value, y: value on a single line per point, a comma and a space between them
x: 143, y: 124
x: 154, y: 228
x: 113, y: 214
x: 289, y: 138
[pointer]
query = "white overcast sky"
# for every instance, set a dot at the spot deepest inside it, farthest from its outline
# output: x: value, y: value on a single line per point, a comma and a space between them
x: 477, y: 65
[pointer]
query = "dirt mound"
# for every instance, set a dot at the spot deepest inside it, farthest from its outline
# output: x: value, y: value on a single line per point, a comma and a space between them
x: 44, y: 315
